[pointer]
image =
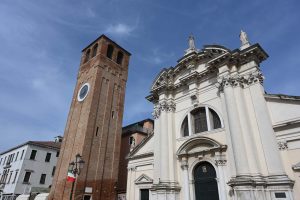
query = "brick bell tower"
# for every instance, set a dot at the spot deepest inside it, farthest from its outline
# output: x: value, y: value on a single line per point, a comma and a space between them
x: 94, y: 124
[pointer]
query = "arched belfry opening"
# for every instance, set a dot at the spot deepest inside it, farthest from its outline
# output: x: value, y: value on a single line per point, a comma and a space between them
x: 206, y: 187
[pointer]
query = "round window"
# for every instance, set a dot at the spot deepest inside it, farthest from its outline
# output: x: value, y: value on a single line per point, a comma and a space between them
x: 84, y: 90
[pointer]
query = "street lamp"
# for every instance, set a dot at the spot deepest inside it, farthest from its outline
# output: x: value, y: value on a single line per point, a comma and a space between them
x: 74, y: 168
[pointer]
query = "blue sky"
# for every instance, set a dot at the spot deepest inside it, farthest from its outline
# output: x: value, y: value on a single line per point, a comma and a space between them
x: 41, y: 43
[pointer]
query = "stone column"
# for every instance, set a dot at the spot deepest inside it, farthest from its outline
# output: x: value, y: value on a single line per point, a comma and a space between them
x: 164, y: 143
x: 208, y: 118
x: 238, y: 147
x: 186, y: 186
x: 264, y: 123
x: 222, y: 183
x: 171, y: 140
x: 157, y: 149
x: 165, y: 186
x: 190, y: 124
x: 247, y: 131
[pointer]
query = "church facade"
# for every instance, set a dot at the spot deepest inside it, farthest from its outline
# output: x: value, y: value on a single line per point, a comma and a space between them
x: 217, y: 134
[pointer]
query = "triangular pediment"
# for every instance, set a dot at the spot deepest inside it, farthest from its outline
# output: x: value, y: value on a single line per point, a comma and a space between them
x: 143, y: 179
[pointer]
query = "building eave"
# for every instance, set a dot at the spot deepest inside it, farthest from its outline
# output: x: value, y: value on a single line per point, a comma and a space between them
x: 107, y: 38
x: 139, y: 146
x: 34, y: 143
x: 282, y: 97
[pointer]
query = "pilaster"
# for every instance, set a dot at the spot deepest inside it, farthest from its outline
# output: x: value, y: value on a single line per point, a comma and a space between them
x: 251, y: 182
x: 242, y: 167
x: 165, y: 186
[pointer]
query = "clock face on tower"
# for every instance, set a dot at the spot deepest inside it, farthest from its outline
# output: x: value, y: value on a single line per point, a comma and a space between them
x: 83, y: 92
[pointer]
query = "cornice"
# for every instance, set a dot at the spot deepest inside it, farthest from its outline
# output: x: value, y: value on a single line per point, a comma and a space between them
x: 213, y: 56
x: 144, y: 155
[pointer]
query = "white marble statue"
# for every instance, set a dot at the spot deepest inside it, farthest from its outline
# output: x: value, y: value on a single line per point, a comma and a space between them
x: 192, y: 42
x: 244, y: 38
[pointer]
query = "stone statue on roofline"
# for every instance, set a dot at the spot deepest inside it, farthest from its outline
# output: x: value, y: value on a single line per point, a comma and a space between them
x: 244, y: 40
x: 191, y: 42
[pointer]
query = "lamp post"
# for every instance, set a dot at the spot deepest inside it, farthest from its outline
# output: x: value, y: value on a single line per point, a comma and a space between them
x: 74, y: 168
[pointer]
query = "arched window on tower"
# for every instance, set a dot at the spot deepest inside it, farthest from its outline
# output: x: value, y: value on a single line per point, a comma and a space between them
x: 120, y: 57
x: 95, y: 49
x: 202, y: 119
x: 87, y: 55
x: 110, y: 50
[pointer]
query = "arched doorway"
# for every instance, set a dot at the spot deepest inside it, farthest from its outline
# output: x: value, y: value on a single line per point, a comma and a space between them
x: 206, y: 187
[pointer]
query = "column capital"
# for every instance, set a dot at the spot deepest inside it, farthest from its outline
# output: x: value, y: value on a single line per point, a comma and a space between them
x: 156, y: 111
x: 184, y: 163
x: 165, y: 105
x: 238, y: 80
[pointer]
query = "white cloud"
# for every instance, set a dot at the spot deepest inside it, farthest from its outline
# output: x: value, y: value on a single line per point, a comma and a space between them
x: 119, y: 29
x: 158, y: 56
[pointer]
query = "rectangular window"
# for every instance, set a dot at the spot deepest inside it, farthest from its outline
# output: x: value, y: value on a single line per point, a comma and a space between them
x: 48, y: 157
x: 43, y: 179
x: 32, y: 155
x: 17, y: 156
x: 9, y: 177
x: 4, y: 160
x: 144, y: 194
x: 200, y: 120
x: 5, y: 176
x: 22, y: 155
x: 27, y: 177
x: 53, y: 171
x: 87, y: 197
x: 57, y: 153
x: 280, y: 195
x: 15, y: 178
x: 12, y: 158
x: 8, y: 159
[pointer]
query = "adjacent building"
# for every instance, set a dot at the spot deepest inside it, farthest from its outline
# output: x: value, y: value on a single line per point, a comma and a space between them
x: 217, y: 134
x: 28, y: 167
x: 133, y: 135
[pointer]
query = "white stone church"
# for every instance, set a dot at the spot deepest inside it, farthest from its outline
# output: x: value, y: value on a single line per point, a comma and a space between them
x: 218, y: 135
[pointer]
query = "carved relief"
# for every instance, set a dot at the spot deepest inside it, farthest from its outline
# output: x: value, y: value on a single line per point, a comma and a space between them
x: 156, y: 111
x: 238, y: 80
x: 255, y: 77
x: 282, y: 145
x: 220, y: 162
x: 168, y: 106
x: 184, y: 164
x: 131, y: 168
